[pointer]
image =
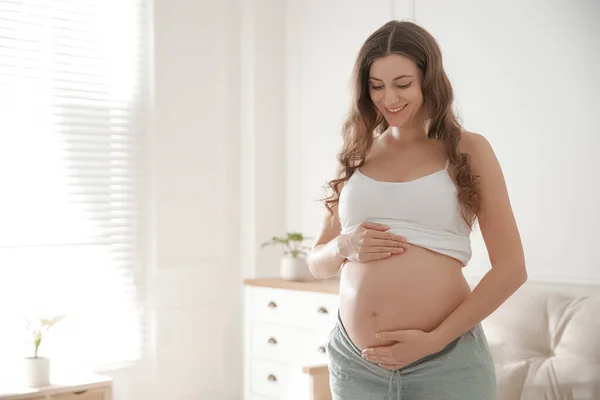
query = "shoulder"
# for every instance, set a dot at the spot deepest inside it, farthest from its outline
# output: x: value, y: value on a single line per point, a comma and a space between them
x: 478, y: 148
x: 472, y: 143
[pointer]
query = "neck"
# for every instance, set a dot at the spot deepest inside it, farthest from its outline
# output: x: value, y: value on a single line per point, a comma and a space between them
x: 407, y: 134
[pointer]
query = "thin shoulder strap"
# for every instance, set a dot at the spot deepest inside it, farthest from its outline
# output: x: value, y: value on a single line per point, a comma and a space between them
x: 447, y: 163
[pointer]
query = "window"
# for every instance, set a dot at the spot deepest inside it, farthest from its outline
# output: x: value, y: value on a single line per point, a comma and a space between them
x: 73, y: 86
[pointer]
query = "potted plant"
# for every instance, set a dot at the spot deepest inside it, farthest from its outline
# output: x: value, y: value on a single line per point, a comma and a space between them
x: 293, y: 266
x: 37, y: 369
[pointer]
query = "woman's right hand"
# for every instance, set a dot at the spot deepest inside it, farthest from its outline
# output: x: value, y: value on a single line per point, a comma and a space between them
x: 370, y: 242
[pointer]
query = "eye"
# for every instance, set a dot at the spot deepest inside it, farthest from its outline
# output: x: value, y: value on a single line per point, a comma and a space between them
x: 376, y: 87
x: 403, y: 86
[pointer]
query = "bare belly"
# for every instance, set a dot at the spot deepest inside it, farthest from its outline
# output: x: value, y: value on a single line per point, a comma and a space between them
x: 414, y: 290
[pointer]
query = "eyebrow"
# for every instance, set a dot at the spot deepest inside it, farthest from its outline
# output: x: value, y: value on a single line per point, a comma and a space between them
x: 396, y: 78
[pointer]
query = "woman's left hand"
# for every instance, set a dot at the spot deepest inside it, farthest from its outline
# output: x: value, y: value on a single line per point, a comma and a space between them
x: 411, y: 345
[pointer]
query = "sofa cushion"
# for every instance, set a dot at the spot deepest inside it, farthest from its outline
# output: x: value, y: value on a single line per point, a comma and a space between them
x: 545, y: 342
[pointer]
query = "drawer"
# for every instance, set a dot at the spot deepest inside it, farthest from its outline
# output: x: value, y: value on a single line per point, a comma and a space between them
x: 288, y: 344
x: 293, y: 308
x: 270, y: 305
x: 316, y: 310
x: 277, y: 380
x: 91, y: 394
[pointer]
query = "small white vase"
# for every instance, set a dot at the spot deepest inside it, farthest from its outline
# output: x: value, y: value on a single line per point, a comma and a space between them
x: 37, y: 371
x: 294, y: 269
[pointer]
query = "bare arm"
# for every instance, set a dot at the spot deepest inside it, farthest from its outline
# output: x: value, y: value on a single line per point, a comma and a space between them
x: 502, y: 240
x: 325, y: 260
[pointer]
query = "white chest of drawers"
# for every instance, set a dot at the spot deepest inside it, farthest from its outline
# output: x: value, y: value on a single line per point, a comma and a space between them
x: 285, y: 330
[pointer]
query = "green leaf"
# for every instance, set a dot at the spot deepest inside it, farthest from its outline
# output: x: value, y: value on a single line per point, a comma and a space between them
x: 292, y: 242
x: 295, y: 236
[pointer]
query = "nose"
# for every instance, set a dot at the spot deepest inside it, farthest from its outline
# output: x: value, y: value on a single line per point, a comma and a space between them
x: 389, y: 98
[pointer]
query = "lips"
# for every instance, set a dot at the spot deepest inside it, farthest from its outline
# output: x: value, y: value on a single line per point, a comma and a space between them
x: 395, y: 110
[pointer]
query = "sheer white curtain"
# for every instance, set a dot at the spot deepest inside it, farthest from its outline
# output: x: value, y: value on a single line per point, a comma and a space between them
x: 73, y: 89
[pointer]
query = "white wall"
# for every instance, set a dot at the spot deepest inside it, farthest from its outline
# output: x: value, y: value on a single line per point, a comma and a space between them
x: 195, y: 276
x: 262, y: 138
x: 525, y: 77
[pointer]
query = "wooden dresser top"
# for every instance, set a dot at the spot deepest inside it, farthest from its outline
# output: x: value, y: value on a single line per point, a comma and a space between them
x: 322, y: 286
x: 66, y: 383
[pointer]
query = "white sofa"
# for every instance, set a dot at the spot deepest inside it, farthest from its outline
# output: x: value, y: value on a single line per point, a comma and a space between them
x: 545, y: 342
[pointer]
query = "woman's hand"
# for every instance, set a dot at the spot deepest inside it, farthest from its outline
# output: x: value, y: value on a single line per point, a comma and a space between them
x: 369, y: 242
x: 411, y: 345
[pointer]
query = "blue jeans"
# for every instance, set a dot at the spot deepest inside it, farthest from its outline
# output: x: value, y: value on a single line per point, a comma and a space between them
x: 463, y: 370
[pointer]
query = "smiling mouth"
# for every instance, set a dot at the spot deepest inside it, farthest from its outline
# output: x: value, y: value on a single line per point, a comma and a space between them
x: 395, y: 110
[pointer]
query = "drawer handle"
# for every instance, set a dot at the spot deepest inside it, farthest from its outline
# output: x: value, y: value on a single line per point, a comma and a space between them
x: 321, y: 349
x: 80, y: 392
x: 272, y: 304
x: 322, y: 310
x: 272, y: 378
x: 272, y: 340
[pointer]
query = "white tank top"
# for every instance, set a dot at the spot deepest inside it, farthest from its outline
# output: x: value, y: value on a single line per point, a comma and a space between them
x: 425, y: 211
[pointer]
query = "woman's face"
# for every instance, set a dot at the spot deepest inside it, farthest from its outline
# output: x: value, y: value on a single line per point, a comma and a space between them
x: 395, y: 88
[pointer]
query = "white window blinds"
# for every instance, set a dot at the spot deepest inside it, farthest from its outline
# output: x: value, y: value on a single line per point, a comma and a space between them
x: 73, y: 85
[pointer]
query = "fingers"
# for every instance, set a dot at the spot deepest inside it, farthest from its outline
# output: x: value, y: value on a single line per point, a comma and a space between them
x: 374, y: 226
x: 373, y: 243
x: 387, y: 243
x: 394, y: 250
x: 398, y: 336
x: 373, y: 256
x: 388, y: 236
x: 384, y: 243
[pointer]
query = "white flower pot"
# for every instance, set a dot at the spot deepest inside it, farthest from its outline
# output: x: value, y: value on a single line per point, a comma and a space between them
x: 294, y: 269
x: 37, y: 371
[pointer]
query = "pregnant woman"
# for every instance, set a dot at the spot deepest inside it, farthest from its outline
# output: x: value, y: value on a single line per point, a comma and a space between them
x: 411, y: 185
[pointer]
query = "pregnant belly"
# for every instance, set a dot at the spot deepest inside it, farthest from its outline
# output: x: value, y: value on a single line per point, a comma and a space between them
x: 414, y: 290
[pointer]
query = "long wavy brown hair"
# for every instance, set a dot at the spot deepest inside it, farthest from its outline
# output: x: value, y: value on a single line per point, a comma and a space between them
x: 364, y: 122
